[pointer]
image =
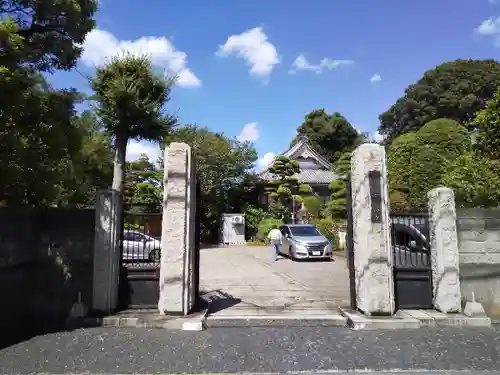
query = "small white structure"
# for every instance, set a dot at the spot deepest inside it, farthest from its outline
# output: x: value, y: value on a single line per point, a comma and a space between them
x: 232, y: 229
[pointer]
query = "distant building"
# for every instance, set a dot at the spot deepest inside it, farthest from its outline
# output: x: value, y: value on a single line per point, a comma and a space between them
x: 315, y: 171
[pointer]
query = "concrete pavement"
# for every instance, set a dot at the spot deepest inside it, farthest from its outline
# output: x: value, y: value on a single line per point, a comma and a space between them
x: 264, y: 350
x: 245, y: 278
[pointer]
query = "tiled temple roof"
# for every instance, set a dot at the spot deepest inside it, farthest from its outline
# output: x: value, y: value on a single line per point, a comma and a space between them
x: 308, y: 176
x: 321, y: 175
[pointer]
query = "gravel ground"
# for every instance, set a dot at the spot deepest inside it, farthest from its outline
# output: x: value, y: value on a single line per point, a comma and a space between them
x: 265, y: 349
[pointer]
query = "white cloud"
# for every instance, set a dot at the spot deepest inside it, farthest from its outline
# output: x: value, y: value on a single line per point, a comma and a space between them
x: 490, y: 27
x: 252, y: 46
x: 101, y: 45
x: 135, y: 149
x: 301, y: 63
x: 265, y: 160
x: 250, y: 132
x: 375, y: 78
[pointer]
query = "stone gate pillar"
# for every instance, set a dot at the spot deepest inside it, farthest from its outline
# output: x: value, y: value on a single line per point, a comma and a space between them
x: 107, y: 261
x: 371, y: 231
x: 444, y: 250
x: 177, y: 289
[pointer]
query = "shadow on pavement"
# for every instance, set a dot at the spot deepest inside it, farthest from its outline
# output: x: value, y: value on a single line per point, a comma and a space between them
x: 217, y: 300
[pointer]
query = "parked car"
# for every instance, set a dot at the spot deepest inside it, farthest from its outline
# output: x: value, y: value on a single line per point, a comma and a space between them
x: 140, y: 246
x: 304, y: 241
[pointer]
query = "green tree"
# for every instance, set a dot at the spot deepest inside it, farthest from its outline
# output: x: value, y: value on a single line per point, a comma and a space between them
x: 475, y: 180
x: 399, y: 158
x: 487, y: 123
x: 286, y: 184
x: 437, y: 142
x: 43, y: 34
x: 38, y: 141
x: 224, y: 168
x: 329, y: 135
x: 89, y: 169
x: 130, y: 99
x: 337, y: 205
x: 313, y: 206
x: 343, y: 164
x: 253, y: 217
x: 143, y: 188
x: 285, y: 188
x: 417, y: 160
x: 455, y: 90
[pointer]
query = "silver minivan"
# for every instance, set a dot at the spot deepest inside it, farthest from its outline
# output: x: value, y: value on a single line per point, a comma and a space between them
x: 304, y: 241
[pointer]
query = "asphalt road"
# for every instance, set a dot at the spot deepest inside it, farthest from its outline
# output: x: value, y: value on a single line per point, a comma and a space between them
x: 283, y: 349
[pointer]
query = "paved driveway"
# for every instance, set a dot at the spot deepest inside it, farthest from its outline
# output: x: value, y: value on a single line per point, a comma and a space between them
x: 246, y: 276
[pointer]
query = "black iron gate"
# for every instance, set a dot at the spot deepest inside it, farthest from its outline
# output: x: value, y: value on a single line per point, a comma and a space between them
x: 412, y: 261
x: 141, y: 249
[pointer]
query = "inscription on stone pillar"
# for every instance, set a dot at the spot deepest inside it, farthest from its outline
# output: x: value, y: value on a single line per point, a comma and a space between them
x: 375, y: 196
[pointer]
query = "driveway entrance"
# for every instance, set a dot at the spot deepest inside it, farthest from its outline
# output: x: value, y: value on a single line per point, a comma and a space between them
x: 244, y: 277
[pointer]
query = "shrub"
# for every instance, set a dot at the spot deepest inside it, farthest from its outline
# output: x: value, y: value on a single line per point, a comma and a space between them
x: 256, y: 243
x: 329, y: 228
x: 265, y: 226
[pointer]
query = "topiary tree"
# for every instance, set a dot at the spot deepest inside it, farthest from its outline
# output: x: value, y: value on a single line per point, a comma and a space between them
x: 285, y: 188
x: 337, y: 205
x: 399, y: 154
x: 343, y: 164
x: 436, y: 142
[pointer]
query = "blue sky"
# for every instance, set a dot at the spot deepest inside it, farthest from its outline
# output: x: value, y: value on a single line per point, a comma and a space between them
x: 253, y: 69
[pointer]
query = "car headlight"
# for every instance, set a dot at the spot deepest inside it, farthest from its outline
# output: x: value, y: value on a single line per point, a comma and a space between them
x: 328, y: 247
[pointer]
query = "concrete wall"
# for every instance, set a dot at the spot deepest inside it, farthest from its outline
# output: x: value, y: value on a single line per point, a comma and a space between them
x: 479, y: 248
x: 45, y: 260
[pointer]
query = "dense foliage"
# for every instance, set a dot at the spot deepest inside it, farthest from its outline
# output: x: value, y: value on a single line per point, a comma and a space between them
x: 130, y: 99
x: 224, y: 168
x: 454, y: 90
x: 487, y: 126
x: 330, y: 135
x: 418, y: 160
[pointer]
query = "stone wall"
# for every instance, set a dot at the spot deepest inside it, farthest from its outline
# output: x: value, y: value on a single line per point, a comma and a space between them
x: 45, y: 260
x: 479, y: 247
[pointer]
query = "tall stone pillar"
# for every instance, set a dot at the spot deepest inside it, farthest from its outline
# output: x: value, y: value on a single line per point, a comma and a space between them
x: 107, y: 260
x: 371, y: 231
x: 444, y: 250
x: 177, y: 289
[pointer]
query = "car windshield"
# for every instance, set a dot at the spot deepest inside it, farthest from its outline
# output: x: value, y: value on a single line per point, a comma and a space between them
x: 304, y: 231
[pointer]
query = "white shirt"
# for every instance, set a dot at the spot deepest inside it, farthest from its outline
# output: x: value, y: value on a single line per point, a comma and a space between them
x: 274, y: 235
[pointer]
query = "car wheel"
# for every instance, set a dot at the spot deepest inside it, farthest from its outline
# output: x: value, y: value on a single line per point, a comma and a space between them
x: 155, y: 255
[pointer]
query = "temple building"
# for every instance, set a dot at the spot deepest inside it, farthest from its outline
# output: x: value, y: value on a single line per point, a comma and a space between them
x: 315, y: 170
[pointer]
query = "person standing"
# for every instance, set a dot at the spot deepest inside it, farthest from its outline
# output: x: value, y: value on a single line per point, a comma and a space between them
x: 274, y: 237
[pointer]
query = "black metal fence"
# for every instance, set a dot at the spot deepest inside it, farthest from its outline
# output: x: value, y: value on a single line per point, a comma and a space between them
x: 141, y: 254
x: 141, y: 241
x: 412, y: 260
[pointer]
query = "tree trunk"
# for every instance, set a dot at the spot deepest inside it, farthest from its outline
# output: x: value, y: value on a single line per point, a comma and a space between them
x: 119, y: 163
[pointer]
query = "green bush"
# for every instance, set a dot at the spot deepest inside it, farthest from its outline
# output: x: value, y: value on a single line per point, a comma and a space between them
x: 330, y: 229
x: 256, y: 243
x: 265, y: 227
